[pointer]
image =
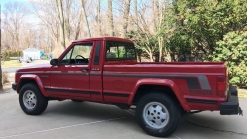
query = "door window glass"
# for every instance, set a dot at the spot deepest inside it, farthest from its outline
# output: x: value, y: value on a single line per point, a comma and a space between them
x: 79, y: 54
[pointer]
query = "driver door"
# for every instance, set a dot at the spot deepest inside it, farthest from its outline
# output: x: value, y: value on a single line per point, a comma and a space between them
x: 70, y: 79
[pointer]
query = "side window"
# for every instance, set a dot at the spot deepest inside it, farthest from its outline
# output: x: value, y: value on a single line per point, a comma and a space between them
x: 66, y: 58
x: 78, y: 54
x: 120, y: 50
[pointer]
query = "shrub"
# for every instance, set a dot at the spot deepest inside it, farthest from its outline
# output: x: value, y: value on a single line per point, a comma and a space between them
x: 5, y: 77
x: 233, y: 50
x: 12, y: 53
x: 7, y: 58
x: 5, y: 53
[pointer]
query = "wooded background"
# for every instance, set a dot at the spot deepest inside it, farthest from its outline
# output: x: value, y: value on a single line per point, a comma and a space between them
x: 162, y: 30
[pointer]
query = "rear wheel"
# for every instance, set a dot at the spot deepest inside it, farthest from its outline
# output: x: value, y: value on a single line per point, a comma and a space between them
x: 32, y: 100
x: 158, y: 114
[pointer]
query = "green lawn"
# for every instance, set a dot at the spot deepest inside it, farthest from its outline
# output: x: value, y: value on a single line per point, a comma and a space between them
x: 11, y: 64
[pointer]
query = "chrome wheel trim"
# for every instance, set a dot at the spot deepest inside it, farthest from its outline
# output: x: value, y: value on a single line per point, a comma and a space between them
x: 156, y: 115
x: 29, y: 99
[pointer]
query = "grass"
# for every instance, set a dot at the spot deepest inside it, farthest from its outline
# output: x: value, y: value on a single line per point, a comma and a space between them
x: 11, y: 64
x: 44, y: 58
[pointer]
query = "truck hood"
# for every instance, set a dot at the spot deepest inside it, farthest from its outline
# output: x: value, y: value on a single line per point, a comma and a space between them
x: 35, y: 68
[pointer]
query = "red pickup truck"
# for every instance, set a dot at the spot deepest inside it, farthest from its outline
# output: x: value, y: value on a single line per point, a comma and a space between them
x: 106, y: 70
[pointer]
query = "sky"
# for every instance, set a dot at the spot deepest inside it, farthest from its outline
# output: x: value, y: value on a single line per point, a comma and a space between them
x: 30, y: 18
x: 3, y: 2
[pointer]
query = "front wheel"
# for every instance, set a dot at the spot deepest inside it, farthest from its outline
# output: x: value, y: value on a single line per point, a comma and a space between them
x: 158, y: 114
x: 32, y: 100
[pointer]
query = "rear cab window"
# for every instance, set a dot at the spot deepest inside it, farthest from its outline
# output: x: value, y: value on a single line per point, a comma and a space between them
x: 119, y: 51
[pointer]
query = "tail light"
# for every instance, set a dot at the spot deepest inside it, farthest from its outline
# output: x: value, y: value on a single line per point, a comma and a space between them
x: 221, y: 86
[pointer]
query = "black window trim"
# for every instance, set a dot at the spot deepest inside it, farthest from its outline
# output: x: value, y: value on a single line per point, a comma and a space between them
x: 97, y: 53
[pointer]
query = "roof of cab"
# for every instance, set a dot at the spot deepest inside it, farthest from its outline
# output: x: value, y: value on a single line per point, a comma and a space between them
x: 102, y: 38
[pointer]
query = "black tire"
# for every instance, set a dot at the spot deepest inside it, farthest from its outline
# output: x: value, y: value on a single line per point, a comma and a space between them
x: 169, y: 109
x: 29, y: 108
x: 74, y: 100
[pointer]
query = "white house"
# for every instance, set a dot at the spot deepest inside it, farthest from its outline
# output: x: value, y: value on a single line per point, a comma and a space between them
x: 31, y: 52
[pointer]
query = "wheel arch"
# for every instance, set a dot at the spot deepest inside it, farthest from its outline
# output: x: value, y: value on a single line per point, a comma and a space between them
x: 166, y: 86
x: 24, y: 79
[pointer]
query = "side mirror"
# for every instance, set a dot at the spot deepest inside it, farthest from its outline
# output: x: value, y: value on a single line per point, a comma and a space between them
x: 54, y: 62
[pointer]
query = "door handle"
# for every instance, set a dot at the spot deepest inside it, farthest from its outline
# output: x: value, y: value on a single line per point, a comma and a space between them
x: 84, y: 69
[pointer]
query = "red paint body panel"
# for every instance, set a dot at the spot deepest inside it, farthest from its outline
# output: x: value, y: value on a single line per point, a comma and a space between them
x: 164, y: 82
x: 66, y: 77
x: 37, y: 80
x: 117, y: 81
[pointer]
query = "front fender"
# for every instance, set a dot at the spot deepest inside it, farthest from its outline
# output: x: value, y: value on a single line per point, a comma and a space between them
x: 36, y: 79
x: 162, y: 82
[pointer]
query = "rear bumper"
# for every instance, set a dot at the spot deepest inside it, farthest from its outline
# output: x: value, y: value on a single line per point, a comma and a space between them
x: 231, y: 107
x: 14, y: 85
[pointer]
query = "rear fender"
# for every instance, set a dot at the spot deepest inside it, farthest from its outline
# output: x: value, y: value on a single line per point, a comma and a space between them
x: 162, y: 82
x: 36, y: 79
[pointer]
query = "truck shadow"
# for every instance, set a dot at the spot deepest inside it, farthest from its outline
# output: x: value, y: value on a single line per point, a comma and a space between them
x: 210, y: 125
x: 93, y: 112
x: 85, y: 109
x: 202, y: 125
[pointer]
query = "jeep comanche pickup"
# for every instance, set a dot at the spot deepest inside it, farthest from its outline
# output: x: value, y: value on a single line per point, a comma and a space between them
x: 106, y: 70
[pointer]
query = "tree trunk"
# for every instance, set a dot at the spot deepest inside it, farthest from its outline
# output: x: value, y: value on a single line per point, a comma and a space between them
x: 98, y: 18
x: 160, y: 24
x: 136, y: 14
x: 61, y: 23
x: 85, y: 17
x: 160, y: 43
x: 160, y: 38
x: 67, y: 23
x: 155, y: 14
x: 1, y: 83
x: 151, y: 57
x: 125, y: 18
x: 110, y: 18
x: 77, y: 32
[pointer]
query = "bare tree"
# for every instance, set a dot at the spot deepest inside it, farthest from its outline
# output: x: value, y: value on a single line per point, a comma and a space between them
x: 136, y: 13
x: 78, y: 28
x: 110, y: 18
x: 1, y: 83
x: 61, y: 23
x: 98, y: 18
x: 47, y: 12
x: 155, y: 14
x: 67, y: 22
x: 14, y: 18
x: 85, y: 17
x: 49, y: 19
x: 125, y: 18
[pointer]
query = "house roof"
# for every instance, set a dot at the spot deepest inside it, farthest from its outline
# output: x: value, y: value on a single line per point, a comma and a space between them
x: 31, y: 50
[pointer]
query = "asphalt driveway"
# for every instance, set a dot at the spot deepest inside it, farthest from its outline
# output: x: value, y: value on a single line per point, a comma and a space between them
x: 88, y: 120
